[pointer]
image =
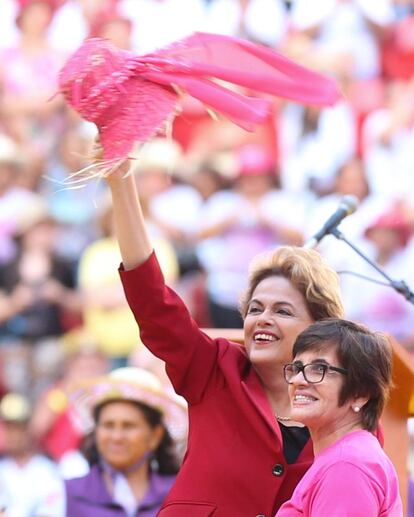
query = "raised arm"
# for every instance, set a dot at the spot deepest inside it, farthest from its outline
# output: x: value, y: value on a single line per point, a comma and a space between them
x: 166, y: 327
x: 130, y: 229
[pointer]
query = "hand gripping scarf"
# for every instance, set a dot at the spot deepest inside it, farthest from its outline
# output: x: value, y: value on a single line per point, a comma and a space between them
x: 131, y: 97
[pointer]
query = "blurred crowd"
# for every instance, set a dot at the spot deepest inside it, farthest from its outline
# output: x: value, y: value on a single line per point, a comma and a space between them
x: 214, y: 195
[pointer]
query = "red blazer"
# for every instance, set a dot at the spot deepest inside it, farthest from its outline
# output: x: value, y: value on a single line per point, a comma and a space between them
x: 234, y: 465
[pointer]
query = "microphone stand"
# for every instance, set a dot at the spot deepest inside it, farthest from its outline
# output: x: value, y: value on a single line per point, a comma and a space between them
x: 399, y: 285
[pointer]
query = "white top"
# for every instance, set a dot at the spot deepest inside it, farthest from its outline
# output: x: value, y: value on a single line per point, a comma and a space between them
x: 226, y: 257
x: 264, y: 20
x: 32, y: 490
x: 344, y: 28
x: 318, y: 154
x: 178, y: 206
x: 389, y: 167
x: 159, y: 23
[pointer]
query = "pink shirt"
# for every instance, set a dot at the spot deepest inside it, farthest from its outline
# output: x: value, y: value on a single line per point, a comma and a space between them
x: 42, y: 69
x: 353, y: 477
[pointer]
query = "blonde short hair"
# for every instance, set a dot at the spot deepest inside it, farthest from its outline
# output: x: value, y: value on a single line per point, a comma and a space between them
x: 307, y: 271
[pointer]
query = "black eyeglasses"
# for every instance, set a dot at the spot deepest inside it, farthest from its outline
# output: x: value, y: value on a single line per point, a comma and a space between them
x: 312, y: 372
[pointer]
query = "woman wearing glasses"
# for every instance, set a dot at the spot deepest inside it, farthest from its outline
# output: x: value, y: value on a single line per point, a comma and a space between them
x: 338, y: 384
x: 241, y: 461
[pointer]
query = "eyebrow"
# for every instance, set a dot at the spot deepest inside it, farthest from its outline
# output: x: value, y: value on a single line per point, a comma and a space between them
x: 281, y: 302
x: 314, y: 361
x: 319, y: 361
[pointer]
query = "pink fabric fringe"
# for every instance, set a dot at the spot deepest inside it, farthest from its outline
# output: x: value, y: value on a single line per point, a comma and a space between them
x: 130, y: 97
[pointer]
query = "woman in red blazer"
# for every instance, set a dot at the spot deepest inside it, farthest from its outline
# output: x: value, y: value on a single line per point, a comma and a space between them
x: 245, y: 456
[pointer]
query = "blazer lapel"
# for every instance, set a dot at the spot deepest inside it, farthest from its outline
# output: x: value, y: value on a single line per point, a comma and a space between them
x: 253, y: 388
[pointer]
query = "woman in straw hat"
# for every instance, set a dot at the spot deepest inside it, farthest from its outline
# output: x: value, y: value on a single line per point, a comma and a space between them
x: 245, y: 454
x: 132, y: 450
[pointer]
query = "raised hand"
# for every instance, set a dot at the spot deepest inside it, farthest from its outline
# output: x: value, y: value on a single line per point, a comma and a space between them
x: 118, y: 170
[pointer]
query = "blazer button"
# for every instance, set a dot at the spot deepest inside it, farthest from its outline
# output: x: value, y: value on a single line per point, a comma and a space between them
x: 261, y: 515
x: 278, y: 470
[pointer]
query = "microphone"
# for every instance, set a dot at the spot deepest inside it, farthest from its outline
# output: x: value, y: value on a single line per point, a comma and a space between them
x: 346, y: 207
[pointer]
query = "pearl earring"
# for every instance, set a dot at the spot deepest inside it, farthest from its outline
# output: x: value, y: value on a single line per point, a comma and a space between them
x: 356, y: 409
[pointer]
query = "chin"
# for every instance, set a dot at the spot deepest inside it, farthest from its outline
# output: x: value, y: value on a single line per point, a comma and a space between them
x: 303, y: 417
x: 118, y: 463
x: 264, y: 356
x: 261, y: 361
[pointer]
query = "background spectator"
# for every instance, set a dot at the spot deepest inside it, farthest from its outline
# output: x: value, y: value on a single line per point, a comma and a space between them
x: 29, y: 481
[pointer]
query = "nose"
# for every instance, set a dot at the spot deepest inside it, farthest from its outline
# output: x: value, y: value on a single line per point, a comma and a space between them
x: 117, y: 434
x: 265, y: 317
x: 298, y: 379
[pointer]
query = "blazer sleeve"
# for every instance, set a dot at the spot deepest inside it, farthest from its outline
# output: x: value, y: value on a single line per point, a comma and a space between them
x: 169, y: 332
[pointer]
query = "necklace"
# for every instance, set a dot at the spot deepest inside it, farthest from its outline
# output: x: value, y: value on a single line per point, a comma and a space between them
x: 283, y: 418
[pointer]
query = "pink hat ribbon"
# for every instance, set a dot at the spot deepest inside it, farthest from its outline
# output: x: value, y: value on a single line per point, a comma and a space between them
x: 131, y: 97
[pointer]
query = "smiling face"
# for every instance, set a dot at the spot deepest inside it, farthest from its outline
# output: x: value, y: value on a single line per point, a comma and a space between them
x: 275, y: 315
x: 123, y: 434
x: 317, y: 405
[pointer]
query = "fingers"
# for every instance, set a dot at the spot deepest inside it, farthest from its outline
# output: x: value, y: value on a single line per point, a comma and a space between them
x: 97, y: 156
x: 97, y: 150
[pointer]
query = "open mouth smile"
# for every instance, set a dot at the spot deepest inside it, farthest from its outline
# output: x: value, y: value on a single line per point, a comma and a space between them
x: 299, y: 400
x: 264, y: 338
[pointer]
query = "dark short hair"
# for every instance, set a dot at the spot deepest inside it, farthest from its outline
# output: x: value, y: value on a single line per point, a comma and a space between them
x: 366, y: 356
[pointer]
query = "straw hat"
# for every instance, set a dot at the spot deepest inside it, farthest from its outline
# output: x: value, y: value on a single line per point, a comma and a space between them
x: 134, y: 385
x: 10, y: 152
x: 131, y: 97
x: 14, y: 408
x: 35, y: 212
x: 100, y: 82
x: 158, y: 154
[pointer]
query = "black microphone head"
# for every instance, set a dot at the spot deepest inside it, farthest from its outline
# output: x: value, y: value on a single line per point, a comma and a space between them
x: 349, y: 203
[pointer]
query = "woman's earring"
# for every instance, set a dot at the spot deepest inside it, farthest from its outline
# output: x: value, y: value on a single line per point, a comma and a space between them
x: 154, y: 465
x: 356, y: 409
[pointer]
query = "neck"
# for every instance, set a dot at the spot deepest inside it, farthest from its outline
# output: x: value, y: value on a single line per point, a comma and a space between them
x: 383, y: 257
x: 254, y: 197
x: 32, y: 42
x: 138, y: 480
x: 21, y: 458
x: 275, y: 388
x: 136, y: 475
x: 323, y: 438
